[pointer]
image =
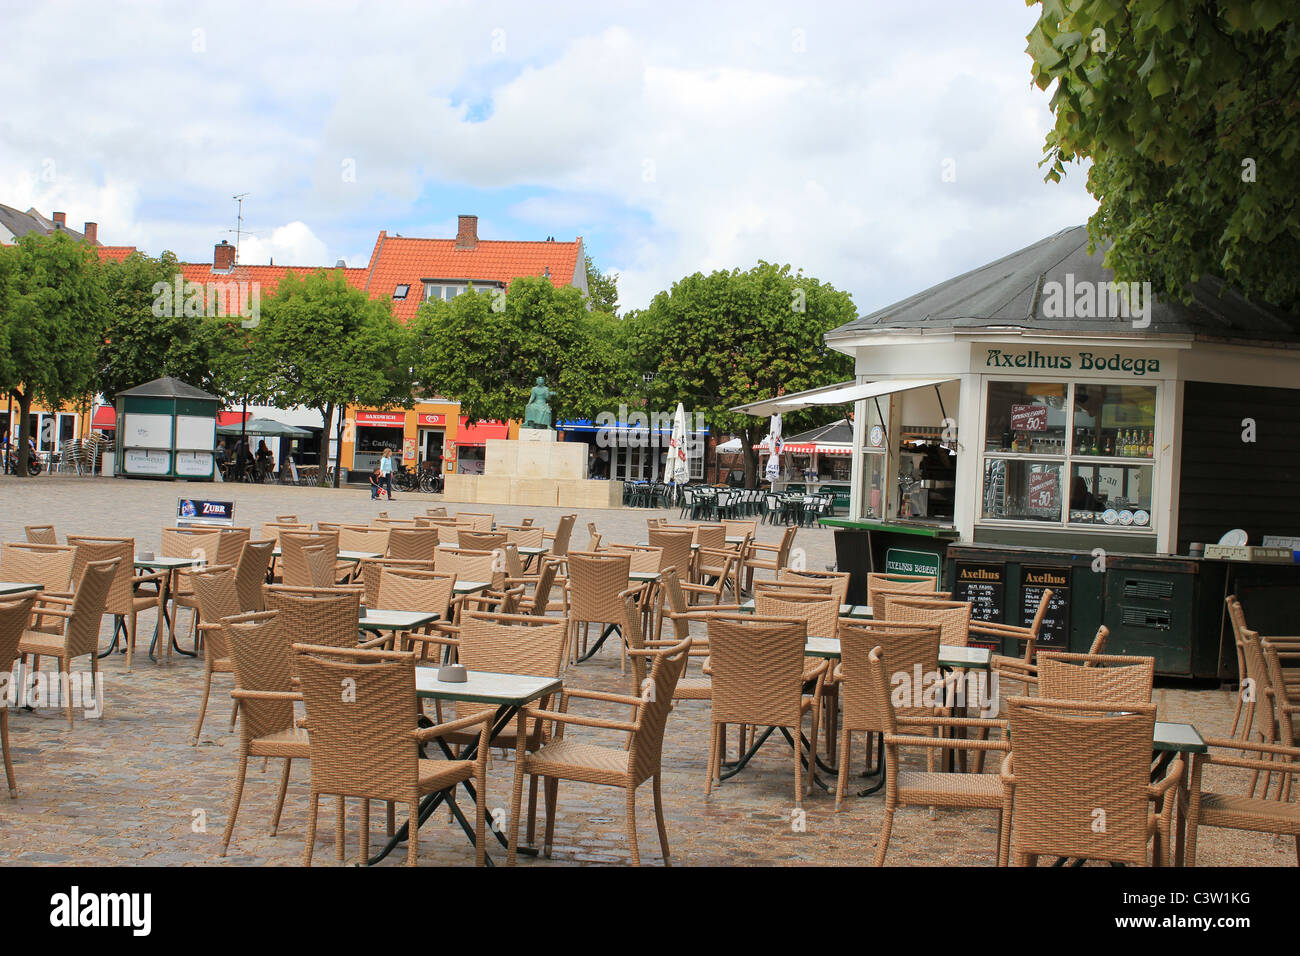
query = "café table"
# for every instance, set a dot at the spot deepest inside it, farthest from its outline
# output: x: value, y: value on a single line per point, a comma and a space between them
x: 18, y: 587
x: 1172, y: 739
x: 509, y: 693
x: 353, y: 556
x: 170, y: 566
x: 858, y: 612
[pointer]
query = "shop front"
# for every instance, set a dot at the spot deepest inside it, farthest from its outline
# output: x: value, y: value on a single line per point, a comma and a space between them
x: 992, y: 431
x: 470, y: 446
x: 420, y: 437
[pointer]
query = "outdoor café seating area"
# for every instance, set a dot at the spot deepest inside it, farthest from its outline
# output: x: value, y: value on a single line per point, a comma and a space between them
x: 457, y: 681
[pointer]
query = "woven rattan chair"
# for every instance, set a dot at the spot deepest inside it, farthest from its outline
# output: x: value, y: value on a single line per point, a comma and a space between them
x: 80, y: 635
x: 563, y: 534
x: 216, y: 595
x: 758, y: 670
x: 645, y: 559
x: 124, y: 601
x: 563, y: 758
x: 408, y: 589
x: 838, y: 580
x: 676, y: 547
x: 371, y: 568
x: 481, y: 540
x: 362, y: 746
x: 412, y: 544
x: 264, y: 693
x: 41, y: 534
x: 539, y: 602
x: 49, y: 565
x: 250, y: 574
x: 294, y: 571
x: 202, y: 546
x: 909, y: 583
x: 822, y: 614
x: 271, y: 530
x: 287, y: 519
x: 371, y: 540
x: 1071, y: 762
x: 1098, y: 678
x: 596, y: 579
x: 739, y: 527
x: 715, y: 570
x: 526, y: 537
x: 953, y: 617
x: 319, y: 615
x: 15, y: 612
x: 1021, y: 669
x: 904, y: 788
x: 439, y: 512
x: 320, y: 567
x: 767, y: 557
x: 912, y: 649
x: 471, y: 565
x: 1235, y: 811
x: 480, y: 520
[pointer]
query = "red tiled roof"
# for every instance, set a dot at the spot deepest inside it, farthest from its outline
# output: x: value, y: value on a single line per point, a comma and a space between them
x: 397, y: 260
x: 267, y: 277
x: 114, y: 253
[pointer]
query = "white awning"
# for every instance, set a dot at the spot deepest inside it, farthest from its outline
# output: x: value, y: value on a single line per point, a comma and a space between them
x: 844, y: 393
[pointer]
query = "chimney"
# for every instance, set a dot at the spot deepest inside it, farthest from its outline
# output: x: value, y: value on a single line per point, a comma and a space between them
x: 467, y: 232
x: 60, y: 220
x: 223, y: 257
x: 92, y: 232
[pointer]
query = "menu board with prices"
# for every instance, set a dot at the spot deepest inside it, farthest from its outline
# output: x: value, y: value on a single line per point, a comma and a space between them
x: 1055, y: 630
x: 984, y: 586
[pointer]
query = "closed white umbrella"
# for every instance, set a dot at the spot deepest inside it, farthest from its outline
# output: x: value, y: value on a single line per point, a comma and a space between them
x: 773, y: 471
x: 679, y: 467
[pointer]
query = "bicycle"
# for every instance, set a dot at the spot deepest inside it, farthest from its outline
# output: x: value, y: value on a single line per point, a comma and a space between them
x: 431, y: 482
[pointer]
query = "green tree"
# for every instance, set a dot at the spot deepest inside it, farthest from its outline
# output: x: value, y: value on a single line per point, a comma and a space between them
x: 1188, y: 111
x: 147, y: 334
x: 52, y: 315
x: 485, y: 350
x: 602, y: 289
x: 325, y: 345
x: 717, y: 341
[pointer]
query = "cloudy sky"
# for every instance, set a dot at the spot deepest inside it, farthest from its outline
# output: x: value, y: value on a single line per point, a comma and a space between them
x: 880, y: 146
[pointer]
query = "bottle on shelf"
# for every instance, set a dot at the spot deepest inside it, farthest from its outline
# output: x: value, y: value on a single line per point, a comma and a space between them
x: 1110, y: 448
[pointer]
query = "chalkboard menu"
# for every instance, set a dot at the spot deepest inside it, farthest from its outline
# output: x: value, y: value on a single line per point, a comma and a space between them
x: 984, y: 586
x: 1055, y: 630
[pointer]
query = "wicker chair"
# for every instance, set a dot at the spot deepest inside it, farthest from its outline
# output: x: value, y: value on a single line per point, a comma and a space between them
x: 909, y: 646
x: 407, y: 589
x: 250, y: 574
x: 216, y: 595
x: 371, y: 540
x: 362, y: 746
x: 739, y: 527
x: 123, y: 601
x: 838, y: 580
x: 524, y: 536
x: 287, y: 519
x: 371, y: 568
x: 15, y: 612
x: 717, y: 568
x: 320, y: 567
x: 822, y: 614
x: 563, y: 534
x: 780, y: 556
x: 294, y: 571
x: 909, y: 583
x: 563, y: 758
x: 471, y: 565
x: 645, y: 559
x: 80, y: 635
x: 203, y: 546
x: 479, y: 520
x: 1097, y: 678
x: 1069, y: 759
x: 41, y: 534
x: 904, y: 788
x: 953, y: 617
x: 758, y: 670
x: 728, y: 568
x: 412, y: 544
x: 321, y: 615
x: 271, y: 530
x: 481, y: 540
x: 539, y: 602
x: 1021, y: 669
x: 264, y: 694
x: 676, y: 547
x: 596, y: 579
x: 49, y: 565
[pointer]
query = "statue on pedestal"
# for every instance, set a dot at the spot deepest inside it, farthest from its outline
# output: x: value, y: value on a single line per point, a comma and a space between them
x: 538, y: 412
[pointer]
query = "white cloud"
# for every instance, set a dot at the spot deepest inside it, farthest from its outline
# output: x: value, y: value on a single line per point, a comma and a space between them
x: 293, y: 244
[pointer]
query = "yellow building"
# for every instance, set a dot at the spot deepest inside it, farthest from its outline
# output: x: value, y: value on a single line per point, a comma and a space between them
x: 433, y: 433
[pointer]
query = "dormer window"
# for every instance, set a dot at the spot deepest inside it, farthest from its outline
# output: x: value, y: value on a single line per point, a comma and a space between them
x: 400, y: 291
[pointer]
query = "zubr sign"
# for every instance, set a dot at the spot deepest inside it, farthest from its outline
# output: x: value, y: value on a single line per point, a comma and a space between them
x: 1081, y: 361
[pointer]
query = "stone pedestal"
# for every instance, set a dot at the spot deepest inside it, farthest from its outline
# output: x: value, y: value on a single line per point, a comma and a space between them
x: 534, y: 469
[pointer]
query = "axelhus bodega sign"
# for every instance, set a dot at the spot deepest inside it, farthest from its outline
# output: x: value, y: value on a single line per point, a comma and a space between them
x: 76, y: 909
x: 1081, y: 361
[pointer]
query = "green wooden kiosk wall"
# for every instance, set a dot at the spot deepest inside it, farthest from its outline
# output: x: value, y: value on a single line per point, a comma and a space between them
x: 185, y: 451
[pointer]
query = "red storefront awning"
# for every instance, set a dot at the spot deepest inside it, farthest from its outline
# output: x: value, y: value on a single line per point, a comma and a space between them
x: 479, y: 432
x: 808, y: 448
x: 105, y: 417
x: 232, y: 418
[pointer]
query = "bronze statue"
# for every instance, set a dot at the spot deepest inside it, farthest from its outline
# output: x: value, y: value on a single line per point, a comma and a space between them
x: 538, y: 412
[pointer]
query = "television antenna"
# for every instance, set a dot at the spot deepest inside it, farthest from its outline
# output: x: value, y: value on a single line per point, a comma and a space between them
x: 239, y: 222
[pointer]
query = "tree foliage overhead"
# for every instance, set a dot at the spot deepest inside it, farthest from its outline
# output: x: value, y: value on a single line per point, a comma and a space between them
x: 140, y: 345
x: 486, y: 349
x: 729, y: 338
x: 602, y: 289
x: 1189, y: 112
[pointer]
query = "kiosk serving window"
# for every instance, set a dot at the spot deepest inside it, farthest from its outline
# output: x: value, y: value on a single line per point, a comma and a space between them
x: 1103, y: 473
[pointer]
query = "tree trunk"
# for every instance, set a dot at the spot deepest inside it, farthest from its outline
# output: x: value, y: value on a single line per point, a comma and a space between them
x: 323, y: 448
x: 338, y: 443
x: 24, y: 413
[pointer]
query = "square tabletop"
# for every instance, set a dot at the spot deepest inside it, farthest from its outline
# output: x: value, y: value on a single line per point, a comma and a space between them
x: 971, y: 658
x: 469, y: 587
x: 17, y: 587
x: 643, y: 576
x: 856, y: 611
x: 158, y: 562
x: 1182, y: 738
x: 342, y: 555
x: 828, y: 647
x: 532, y: 552
x: 484, y: 687
x: 377, y: 619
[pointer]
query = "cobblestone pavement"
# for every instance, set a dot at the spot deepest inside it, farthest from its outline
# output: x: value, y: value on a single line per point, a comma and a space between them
x: 128, y: 788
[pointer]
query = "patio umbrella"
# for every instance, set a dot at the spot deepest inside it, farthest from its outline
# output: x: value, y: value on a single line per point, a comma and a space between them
x: 730, y: 447
x: 266, y: 427
x: 773, y: 470
x: 679, y: 468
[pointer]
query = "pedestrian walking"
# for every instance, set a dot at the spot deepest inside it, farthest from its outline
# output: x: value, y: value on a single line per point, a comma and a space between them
x: 386, y: 470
